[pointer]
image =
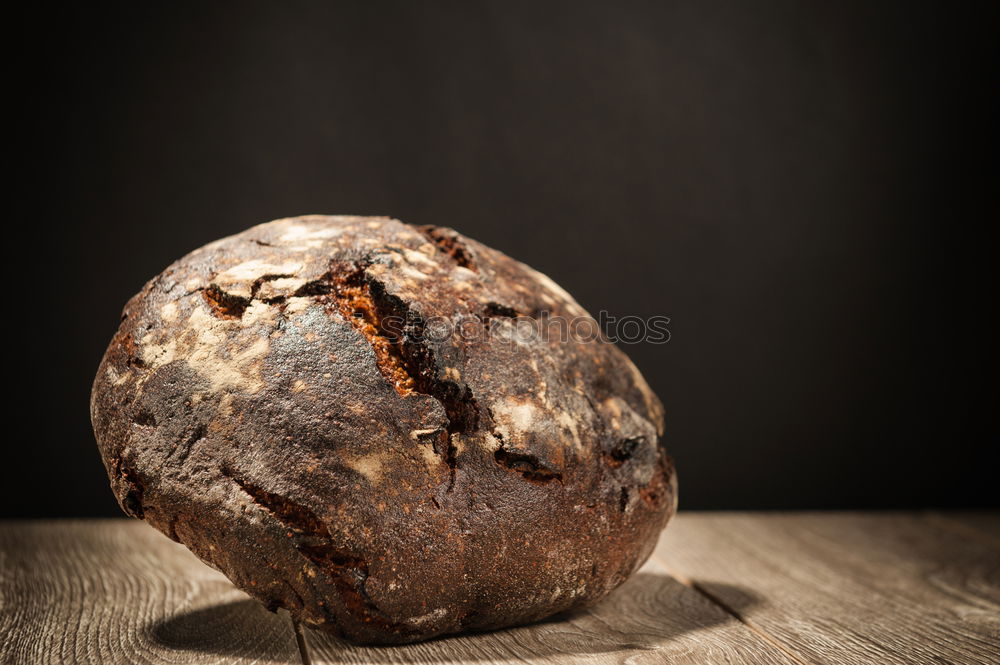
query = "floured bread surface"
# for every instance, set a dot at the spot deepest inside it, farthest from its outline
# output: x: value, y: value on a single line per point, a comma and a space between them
x: 378, y: 427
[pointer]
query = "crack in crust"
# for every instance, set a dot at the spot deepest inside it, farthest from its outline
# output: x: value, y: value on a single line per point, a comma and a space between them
x: 527, y: 465
x: 131, y: 501
x: 447, y: 242
x: 131, y: 349
x: 312, y: 539
x: 184, y: 447
x: 396, y: 334
x: 624, y: 451
x: 352, y: 294
x: 225, y: 305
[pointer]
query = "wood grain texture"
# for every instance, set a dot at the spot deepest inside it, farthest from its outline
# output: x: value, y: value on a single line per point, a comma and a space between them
x: 848, y: 588
x: 975, y: 524
x: 650, y: 619
x: 116, y: 591
x: 746, y: 588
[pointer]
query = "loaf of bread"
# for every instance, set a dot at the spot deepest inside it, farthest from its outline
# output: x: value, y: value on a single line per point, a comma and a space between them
x: 365, y: 422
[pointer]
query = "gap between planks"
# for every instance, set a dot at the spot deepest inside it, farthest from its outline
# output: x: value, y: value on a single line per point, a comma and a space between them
x: 943, y: 520
x: 731, y: 611
x: 911, y: 544
x: 300, y: 641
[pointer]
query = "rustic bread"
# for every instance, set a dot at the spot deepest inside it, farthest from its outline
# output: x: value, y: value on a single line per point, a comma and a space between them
x: 349, y: 418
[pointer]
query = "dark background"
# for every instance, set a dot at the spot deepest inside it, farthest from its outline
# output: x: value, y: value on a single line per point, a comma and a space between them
x: 802, y: 187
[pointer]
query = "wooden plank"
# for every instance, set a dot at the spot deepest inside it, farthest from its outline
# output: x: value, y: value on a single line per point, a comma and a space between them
x: 836, y: 588
x: 979, y: 524
x: 847, y: 588
x: 651, y: 619
x: 116, y: 591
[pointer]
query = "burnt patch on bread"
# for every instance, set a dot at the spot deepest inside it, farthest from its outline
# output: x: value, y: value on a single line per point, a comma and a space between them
x: 349, y: 575
x: 448, y: 242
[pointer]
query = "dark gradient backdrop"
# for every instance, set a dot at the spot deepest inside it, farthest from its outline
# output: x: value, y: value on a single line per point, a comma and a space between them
x: 798, y: 185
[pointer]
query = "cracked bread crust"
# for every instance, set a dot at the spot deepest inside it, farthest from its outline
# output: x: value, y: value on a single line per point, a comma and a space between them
x: 278, y: 402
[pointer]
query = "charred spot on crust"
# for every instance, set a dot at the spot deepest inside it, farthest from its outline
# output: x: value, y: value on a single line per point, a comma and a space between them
x: 317, y: 287
x: 349, y: 575
x: 448, y: 243
x: 526, y: 464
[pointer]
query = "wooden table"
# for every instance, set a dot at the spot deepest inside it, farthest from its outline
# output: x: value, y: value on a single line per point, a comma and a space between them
x: 721, y: 588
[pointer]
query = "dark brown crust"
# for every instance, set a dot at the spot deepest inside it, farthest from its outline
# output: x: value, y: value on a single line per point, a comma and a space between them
x: 277, y: 402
